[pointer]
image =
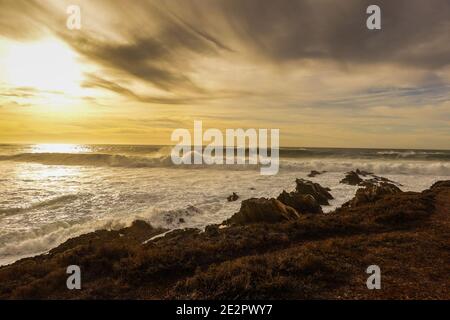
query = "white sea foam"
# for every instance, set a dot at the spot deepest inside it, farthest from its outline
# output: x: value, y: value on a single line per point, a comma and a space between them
x: 46, y: 198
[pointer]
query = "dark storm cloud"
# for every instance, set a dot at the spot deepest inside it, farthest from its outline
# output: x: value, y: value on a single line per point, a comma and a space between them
x: 146, y: 59
x: 94, y: 81
x: 158, y: 57
x: 97, y: 82
x: 413, y: 32
x: 164, y: 38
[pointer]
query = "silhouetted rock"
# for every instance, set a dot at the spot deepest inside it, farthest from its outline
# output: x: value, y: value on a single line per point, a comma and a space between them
x: 314, y: 173
x: 377, y: 180
x: 351, y: 178
x: 303, y: 203
x: 233, y: 197
x: 440, y: 184
x: 372, y: 193
x: 363, y: 173
x: 179, y: 215
x: 319, y: 193
x: 212, y: 230
x: 263, y: 210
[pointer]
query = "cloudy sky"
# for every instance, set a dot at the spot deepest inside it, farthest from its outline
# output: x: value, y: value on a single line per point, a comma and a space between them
x: 137, y: 70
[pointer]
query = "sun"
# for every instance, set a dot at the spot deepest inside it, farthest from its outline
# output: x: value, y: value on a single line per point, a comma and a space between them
x: 45, y: 65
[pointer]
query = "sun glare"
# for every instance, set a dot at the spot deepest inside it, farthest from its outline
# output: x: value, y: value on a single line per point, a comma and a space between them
x: 58, y: 148
x: 45, y: 65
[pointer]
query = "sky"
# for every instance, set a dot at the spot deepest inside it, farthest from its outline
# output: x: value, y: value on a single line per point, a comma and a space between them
x: 137, y: 70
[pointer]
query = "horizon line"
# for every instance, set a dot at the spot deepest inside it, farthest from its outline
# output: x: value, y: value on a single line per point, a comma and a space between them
x: 172, y: 145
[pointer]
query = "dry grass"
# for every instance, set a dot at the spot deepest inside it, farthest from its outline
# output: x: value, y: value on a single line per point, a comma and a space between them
x: 316, y: 256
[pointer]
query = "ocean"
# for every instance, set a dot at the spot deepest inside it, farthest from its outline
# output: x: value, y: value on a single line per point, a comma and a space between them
x: 50, y: 193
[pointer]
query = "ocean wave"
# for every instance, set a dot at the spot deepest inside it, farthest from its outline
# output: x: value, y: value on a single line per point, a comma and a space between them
x: 177, y: 217
x: 440, y: 168
x: 116, y: 160
x: 89, y: 159
x: 402, y: 165
x: 39, y: 241
x: 410, y: 153
x: 58, y: 201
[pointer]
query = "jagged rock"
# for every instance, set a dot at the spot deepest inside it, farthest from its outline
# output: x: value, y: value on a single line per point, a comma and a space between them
x: 319, y: 193
x: 175, y: 216
x: 440, y: 184
x: 314, y: 173
x: 138, y: 229
x: 233, y: 197
x: 212, y: 230
x: 377, y: 180
x: 372, y: 193
x: 363, y: 173
x: 303, y: 203
x: 352, y: 178
x: 263, y: 210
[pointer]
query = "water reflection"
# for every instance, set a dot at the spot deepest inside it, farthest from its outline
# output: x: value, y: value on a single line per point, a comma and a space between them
x: 59, y: 148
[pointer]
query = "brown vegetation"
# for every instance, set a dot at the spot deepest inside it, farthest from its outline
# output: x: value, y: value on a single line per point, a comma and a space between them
x: 314, y: 256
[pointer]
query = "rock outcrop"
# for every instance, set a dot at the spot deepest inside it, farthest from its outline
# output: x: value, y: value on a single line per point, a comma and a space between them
x: 351, y: 178
x: 233, y: 197
x: 321, y: 194
x: 256, y: 210
x: 363, y: 173
x: 372, y: 193
x: 303, y: 203
x: 314, y: 173
x: 440, y: 185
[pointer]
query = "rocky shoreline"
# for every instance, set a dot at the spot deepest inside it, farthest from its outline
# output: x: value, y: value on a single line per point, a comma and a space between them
x: 283, y: 248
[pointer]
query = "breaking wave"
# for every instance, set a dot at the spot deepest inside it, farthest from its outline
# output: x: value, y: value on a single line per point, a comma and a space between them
x: 400, y: 163
x: 89, y: 159
x: 58, y: 201
x: 377, y: 166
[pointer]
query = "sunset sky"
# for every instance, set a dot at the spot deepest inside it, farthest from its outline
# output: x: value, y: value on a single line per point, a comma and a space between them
x: 137, y: 70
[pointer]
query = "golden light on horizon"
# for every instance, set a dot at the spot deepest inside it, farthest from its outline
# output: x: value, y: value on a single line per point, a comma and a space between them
x: 58, y: 148
x: 44, y: 65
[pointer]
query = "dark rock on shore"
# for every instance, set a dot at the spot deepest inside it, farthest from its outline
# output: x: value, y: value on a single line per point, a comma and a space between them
x: 363, y: 173
x: 314, y: 173
x: 440, y: 185
x: 179, y: 216
x: 321, y: 194
x: 307, y: 198
x: 263, y: 210
x: 303, y: 203
x: 351, y: 178
x: 233, y: 197
x: 372, y: 193
x: 138, y: 232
